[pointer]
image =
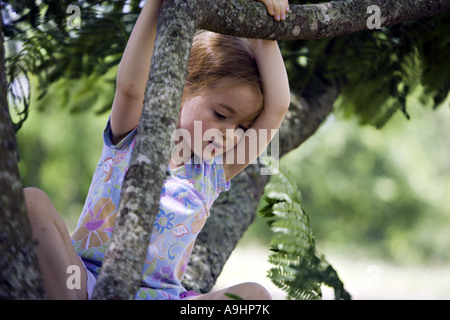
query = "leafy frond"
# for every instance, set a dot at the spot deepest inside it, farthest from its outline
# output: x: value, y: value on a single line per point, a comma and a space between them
x: 298, y: 268
x: 40, y: 42
x: 376, y: 71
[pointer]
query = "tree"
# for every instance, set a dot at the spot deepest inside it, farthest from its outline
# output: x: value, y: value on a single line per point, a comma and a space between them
x: 20, y: 279
x: 177, y: 23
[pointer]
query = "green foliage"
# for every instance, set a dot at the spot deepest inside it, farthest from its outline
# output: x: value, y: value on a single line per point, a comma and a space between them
x: 58, y: 154
x: 380, y: 194
x: 299, y: 269
x: 42, y: 41
x: 233, y: 296
x: 377, y: 71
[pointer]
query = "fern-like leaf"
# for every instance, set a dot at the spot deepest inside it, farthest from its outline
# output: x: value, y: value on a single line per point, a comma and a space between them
x: 298, y: 269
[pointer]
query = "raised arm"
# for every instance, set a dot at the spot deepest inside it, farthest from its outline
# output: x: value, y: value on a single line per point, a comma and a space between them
x: 133, y: 72
x: 276, y: 103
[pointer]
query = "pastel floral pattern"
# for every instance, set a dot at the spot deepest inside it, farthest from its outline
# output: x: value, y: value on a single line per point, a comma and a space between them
x: 165, y: 274
x: 164, y: 220
x: 107, y: 168
x: 156, y: 249
x: 186, y: 196
x: 97, y: 225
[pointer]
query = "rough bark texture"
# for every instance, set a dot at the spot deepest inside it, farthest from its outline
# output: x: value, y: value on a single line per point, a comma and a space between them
x: 178, y: 20
x: 121, y: 272
x: 249, y: 19
x: 231, y: 215
x: 19, y: 273
x: 235, y: 210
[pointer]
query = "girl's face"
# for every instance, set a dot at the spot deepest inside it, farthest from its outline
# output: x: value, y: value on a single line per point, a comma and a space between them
x: 213, y: 115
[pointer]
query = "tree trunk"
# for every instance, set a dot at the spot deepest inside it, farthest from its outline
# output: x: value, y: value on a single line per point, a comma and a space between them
x: 249, y: 19
x: 19, y: 274
x: 121, y: 272
x: 177, y: 22
x: 235, y: 210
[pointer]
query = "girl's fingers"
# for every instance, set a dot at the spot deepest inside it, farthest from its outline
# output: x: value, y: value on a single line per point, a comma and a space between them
x: 286, y: 6
x: 283, y: 8
x: 277, y: 8
x: 269, y: 7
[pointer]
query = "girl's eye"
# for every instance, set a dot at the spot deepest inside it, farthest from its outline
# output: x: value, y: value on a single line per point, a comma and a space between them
x: 219, y: 115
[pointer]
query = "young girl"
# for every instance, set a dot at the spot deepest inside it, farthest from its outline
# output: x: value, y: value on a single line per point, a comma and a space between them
x: 232, y: 85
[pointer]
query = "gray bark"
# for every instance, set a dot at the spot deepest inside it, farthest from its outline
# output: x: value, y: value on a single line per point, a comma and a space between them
x: 249, y: 19
x: 121, y: 272
x: 235, y: 210
x: 19, y: 273
x: 178, y: 20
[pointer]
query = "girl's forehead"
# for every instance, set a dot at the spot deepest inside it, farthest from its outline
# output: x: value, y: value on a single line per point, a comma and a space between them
x: 236, y: 98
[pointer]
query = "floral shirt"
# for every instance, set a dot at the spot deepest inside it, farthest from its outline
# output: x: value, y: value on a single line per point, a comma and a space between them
x: 186, y: 196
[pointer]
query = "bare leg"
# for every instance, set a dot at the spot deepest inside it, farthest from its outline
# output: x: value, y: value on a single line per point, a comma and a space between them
x: 55, y: 250
x: 247, y: 291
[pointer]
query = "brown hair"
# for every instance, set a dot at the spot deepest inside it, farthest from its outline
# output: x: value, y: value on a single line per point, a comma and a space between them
x: 215, y: 56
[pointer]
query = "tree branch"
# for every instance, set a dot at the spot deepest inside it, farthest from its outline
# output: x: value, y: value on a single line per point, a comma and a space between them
x: 235, y: 210
x: 121, y: 272
x: 20, y: 277
x: 248, y: 19
x: 303, y: 118
x: 177, y: 22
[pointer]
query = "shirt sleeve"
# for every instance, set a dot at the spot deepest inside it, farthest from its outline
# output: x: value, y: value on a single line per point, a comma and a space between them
x: 219, y: 179
x: 124, y: 143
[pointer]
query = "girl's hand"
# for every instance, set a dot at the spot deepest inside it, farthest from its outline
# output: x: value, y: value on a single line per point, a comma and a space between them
x: 275, y: 88
x: 277, y: 8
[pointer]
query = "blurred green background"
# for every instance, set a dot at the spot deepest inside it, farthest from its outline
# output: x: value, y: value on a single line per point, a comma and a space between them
x: 381, y: 191
x: 378, y: 194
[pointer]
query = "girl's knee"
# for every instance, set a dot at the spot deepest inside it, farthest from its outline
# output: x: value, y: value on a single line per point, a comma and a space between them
x: 259, y: 292
x: 33, y: 194
x: 36, y: 201
x: 252, y: 291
